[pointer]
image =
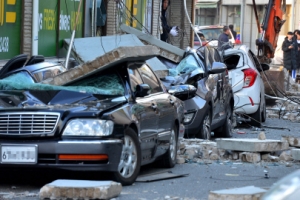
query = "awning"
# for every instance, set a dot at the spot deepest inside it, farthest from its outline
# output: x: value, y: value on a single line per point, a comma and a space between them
x: 207, y: 4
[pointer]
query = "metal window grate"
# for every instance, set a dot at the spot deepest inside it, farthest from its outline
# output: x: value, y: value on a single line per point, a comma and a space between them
x: 25, y: 123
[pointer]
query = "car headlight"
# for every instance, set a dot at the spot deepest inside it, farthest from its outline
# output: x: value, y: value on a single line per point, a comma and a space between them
x: 88, y: 127
x: 188, y: 117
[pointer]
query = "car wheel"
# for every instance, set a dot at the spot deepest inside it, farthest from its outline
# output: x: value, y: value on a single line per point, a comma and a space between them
x: 169, y: 159
x: 130, y: 161
x: 264, y: 112
x: 256, y: 118
x: 226, y: 129
x: 205, y: 128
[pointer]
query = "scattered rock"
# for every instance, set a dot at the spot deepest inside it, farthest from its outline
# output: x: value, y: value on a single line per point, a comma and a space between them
x: 250, y: 157
x: 180, y: 160
x: 214, y: 156
x: 262, y: 136
x: 265, y: 156
x: 285, y: 156
x: 289, y: 164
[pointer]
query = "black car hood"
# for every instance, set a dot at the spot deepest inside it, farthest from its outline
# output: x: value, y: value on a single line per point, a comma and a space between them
x: 58, y: 100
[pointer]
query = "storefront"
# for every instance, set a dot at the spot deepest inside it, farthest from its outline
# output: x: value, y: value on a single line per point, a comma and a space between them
x: 56, y: 23
x: 10, y: 28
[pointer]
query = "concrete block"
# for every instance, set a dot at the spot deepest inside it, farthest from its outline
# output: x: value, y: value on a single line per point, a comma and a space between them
x: 180, y: 160
x: 252, y: 145
x: 214, y: 156
x: 296, y: 154
x: 262, y: 136
x: 79, y: 189
x: 244, y: 193
x: 265, y: 156
x: 286, y: 156
x: 250, y: 157
x: 293, y: 141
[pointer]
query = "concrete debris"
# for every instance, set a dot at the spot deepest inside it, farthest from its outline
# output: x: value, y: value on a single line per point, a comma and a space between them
x: 252, y: 145
x: 293, y: 141
x: 180, y: 160
x: 296, y: 154
x: 120, y: 54
x: 245, y: 193
x: 250, y: 157
x: 286, y: 156
x: 79, y: 189
x: 262, y: 136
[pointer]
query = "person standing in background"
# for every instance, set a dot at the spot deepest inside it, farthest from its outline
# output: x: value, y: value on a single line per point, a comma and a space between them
x: 290, y: 52
x: 232, y: 31
x: 166, y: 29
x: 223, y: 41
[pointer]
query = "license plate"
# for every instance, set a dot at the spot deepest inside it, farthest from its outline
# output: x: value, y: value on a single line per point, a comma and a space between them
x: 18, y: 154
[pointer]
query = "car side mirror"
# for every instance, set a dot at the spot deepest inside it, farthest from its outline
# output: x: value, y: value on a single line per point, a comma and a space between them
x: 183, y: 92
x: 217, y: 68
x: 265, y: 66
x: 142, y: 90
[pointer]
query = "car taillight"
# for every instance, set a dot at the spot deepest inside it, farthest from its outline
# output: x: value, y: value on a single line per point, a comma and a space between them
x: 249, y: 77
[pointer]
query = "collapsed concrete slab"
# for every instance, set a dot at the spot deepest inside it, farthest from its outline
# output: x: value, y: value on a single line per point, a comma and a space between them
x: 88, y: 49
x: 80, y: 189
x: 252, y: 145
x: 244, y: 193
x: 121, y: 54
x: 167, y: 51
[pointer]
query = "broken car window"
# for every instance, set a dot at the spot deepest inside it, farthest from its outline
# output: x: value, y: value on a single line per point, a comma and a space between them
x: 104, y: 84
x: 187, y: 65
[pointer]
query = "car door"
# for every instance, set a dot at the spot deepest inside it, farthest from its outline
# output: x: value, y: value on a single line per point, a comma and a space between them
x: 214, y: 83
x: 164, y: 108
x: 145, y: 113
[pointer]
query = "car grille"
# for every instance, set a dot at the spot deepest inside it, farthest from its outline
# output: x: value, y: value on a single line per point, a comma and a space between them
x: 25, y: 123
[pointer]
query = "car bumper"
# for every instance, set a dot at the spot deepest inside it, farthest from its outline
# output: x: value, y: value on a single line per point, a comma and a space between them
x: 242, y: 100
x: 48, y: 153
x: 198, y: 106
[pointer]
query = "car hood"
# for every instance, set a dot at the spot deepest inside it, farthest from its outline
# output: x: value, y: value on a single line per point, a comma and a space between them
x: 57, y: 100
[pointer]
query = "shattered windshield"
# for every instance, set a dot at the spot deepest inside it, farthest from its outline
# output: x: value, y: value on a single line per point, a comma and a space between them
x: 186, y: 65
x: 104, y: 84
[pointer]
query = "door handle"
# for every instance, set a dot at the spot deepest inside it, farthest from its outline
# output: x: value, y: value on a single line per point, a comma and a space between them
x: 171, y: 102
x: 154, y: 107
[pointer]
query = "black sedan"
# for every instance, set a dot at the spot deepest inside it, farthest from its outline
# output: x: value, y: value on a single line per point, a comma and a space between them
x: 114, y: 119
x: 211, y: 110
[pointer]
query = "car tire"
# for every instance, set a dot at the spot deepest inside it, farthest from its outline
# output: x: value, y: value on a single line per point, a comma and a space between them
x: 130, y: 160
x: 256, y: 118
x: 264, y: 112
x: 170, y: 158
x: 205, y: 126
x: 226, y: 129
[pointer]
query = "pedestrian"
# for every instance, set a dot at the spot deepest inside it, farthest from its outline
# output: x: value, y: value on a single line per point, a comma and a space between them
x: 298, y: 49
x: 290, y: 52
x: 166, y: 29
x: 223, y: 41
x: 232, y: 31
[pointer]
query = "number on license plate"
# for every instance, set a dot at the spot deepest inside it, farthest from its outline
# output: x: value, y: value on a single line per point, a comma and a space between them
x: 18, y: 154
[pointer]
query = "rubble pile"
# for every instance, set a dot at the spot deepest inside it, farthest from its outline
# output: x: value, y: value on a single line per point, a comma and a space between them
x: 287, y: 107
x: 238, y: 150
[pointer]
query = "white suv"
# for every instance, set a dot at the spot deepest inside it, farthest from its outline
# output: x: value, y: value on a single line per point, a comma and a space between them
x: 247, y: 84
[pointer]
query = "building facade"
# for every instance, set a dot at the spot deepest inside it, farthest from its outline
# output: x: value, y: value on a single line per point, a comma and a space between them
x: 39, y: 26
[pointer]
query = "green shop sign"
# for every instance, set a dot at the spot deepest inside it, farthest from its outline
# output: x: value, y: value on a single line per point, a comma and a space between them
x: 56, y: 23
x: 10, y: 28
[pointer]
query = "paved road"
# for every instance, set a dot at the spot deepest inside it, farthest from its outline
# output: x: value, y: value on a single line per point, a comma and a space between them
x: 201, y: 179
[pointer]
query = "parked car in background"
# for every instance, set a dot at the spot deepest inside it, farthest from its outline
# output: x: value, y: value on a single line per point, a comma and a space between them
x: 247, y: 84
x: 212, y: 107
x: 114, y: 118
x: 211, y: 34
